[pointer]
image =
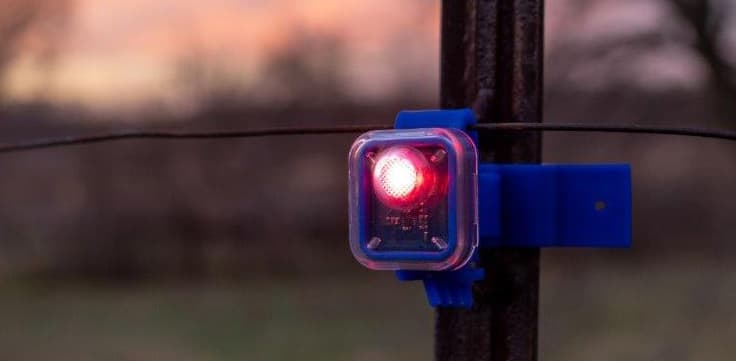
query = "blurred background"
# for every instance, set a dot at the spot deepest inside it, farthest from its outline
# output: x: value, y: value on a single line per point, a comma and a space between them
x: 237, y: 249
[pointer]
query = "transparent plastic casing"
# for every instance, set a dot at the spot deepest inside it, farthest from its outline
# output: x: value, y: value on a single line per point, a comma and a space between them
x: 426, y: 216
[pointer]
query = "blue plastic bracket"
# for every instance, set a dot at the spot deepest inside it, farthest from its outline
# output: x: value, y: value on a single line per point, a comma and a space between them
x: 529, y: 205
x: 554, y: 205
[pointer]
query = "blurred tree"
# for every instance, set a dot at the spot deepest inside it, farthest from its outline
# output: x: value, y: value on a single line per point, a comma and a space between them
x: 698, y: 29
x: 708, y: 21
x: 30, y: 26
x: 308, y: 70
x: 208, y: 84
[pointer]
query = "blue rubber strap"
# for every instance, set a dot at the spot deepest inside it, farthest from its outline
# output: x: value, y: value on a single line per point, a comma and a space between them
x: 446, y: 289
x: 554, y: 205
x: 455, y: 118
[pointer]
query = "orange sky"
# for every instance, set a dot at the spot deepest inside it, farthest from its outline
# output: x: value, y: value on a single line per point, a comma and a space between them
x: 119, y: 55
x: 123, y: 53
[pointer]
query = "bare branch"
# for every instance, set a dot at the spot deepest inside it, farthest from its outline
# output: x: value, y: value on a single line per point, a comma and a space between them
x: 706, y: 19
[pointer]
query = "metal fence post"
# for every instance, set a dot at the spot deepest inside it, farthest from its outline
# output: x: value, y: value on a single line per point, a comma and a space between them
x: 492, y: 60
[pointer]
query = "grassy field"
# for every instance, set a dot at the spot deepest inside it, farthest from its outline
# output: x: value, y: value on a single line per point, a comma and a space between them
x: 676, y: 312
x: 288, y: 320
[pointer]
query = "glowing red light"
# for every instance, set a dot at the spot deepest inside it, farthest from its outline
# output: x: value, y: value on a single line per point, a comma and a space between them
x: 398, y: 177
x: 402, y: 177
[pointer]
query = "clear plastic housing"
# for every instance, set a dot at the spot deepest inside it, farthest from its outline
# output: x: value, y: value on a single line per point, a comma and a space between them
x: 413, y: 199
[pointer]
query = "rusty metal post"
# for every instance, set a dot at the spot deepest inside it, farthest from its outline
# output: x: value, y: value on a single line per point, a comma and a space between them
x: 492, y: 60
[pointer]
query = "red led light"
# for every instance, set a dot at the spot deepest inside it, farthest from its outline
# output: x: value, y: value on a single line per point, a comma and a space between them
x: 402, y: 177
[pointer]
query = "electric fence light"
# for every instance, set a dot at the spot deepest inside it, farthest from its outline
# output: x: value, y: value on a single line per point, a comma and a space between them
x: 413, y: 199
x: 420, y: 204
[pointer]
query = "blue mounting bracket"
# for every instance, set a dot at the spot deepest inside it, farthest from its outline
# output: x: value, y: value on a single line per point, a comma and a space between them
x: 529, y: 205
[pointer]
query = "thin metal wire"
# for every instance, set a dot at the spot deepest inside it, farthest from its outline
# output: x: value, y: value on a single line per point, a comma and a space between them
x: 608, y: 128
x: 222, y: 134
x: 162, y: 134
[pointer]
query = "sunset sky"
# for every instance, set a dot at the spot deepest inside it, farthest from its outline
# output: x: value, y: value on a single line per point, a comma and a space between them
x: 122, y: 54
